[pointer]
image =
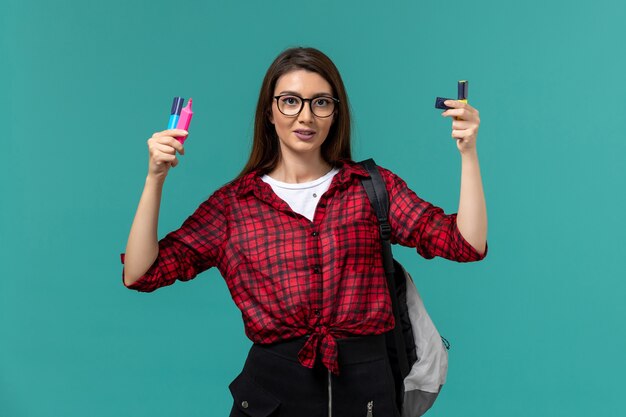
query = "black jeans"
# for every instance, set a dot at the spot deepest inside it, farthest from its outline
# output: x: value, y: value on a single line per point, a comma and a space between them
x: 273, y: 382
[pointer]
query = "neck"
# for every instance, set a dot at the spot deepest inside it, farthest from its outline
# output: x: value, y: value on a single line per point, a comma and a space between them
x: 294, y: 169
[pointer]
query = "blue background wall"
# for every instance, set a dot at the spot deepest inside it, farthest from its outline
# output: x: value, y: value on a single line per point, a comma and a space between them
x: 537, y: 329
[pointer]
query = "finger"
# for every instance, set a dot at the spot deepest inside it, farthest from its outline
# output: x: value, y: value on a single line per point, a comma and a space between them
x: 454, y: 112
x: 157, y: 147
x: 165, y: 149
x: 463, y: 133
x: 172, y: 132
x: 461, y: 114
x: 175, y: 143
x: 457, y: 104
x: 461, y: 124
x: 166, y: 159
x: 171, y: 142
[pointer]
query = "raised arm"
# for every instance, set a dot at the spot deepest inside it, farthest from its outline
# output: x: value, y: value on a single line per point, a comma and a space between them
x: 472, y: 213
x: 142, y: 247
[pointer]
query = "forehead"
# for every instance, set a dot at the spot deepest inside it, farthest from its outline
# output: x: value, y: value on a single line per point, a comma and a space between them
x: 303, y: 82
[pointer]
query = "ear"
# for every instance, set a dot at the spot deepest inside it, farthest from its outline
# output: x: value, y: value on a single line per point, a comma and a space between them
x: 270, y: 116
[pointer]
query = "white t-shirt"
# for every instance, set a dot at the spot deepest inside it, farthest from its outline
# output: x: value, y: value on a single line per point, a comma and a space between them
x: 302, y: 197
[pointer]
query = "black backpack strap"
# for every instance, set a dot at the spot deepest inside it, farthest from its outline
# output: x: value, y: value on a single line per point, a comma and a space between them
x: 377, y: 193
x: 379, y: 198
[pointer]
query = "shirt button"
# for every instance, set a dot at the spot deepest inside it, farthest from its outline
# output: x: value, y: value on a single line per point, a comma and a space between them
x: 317, y: 312
x: 244, y: 404
x: 316, y: 270
x: 315, y: 234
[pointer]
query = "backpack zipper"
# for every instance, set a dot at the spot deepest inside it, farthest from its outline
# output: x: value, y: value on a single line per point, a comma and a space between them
x: 370, y: 409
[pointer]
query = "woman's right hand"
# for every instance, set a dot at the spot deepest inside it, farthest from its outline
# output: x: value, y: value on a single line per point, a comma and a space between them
x: 162, y: 147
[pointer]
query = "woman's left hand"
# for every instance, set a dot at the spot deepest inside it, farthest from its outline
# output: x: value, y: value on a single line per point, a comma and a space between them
x: 464, y: 125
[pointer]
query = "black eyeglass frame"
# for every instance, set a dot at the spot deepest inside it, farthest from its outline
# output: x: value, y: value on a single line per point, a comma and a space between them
x: 303, y: 100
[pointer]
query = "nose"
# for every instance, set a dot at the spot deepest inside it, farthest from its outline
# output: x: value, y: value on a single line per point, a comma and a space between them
x: 306, y: 115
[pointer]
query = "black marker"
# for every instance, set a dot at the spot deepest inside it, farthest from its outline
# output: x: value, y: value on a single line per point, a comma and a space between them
x: 461, y: 95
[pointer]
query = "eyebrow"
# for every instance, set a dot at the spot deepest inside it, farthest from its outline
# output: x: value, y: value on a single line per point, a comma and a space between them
x: 298, y: 94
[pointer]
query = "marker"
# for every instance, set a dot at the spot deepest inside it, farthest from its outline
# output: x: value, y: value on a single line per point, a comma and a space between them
x: 177, y: 105
x: 462, y: 90
x: 185, y: 119
x: 439, y: 103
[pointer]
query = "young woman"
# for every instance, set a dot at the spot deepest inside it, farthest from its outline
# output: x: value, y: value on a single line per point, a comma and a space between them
x: 297, y: 242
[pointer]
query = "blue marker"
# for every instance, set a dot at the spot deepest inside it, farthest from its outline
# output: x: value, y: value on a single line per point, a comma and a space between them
x: 177, y: 106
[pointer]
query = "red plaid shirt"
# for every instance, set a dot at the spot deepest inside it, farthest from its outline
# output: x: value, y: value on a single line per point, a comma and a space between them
x: 291, y: 277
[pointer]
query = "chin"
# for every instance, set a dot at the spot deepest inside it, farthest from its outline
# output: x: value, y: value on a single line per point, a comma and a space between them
x: 304, y: 148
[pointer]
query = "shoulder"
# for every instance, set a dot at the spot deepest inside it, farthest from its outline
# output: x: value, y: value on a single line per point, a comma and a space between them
x: 391, y: 178
x: 352, y: 167
x: 237, y: 187
x: 225, y: 196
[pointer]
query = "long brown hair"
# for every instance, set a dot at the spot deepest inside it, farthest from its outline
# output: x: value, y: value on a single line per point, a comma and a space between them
x: 265, y: 152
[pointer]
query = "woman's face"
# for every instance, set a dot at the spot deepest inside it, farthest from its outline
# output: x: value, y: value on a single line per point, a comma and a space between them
x: 305, y: 133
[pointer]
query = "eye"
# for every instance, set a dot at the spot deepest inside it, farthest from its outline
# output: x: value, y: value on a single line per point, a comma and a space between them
x: 321, y: 102
x: 290, y: 100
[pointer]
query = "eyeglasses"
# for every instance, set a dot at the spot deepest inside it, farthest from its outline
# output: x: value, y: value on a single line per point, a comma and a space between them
x: 291, y: 105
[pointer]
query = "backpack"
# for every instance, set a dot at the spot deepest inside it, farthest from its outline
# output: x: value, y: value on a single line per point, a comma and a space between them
x: 418, y: 355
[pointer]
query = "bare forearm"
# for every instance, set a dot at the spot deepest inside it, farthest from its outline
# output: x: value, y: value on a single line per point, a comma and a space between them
x: 142, y: 247
x: 472, y: 213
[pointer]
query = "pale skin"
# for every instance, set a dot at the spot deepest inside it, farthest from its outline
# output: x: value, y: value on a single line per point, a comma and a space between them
x: 472, y: 214
x: 142, y: 247
x: 300, y: 161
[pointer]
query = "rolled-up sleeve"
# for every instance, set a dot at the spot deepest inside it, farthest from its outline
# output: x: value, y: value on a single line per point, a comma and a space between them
x: 419, y: 224
x: 189, y: 250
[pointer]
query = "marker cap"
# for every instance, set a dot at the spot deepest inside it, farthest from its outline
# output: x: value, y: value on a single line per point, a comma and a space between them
x: 439, y: 103
x: 177, y: 105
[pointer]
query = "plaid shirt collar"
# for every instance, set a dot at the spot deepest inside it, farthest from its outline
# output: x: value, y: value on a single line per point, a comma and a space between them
x: 252, y: 182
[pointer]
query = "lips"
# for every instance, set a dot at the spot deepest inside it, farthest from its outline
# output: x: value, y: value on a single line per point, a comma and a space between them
x: 304, y: 134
